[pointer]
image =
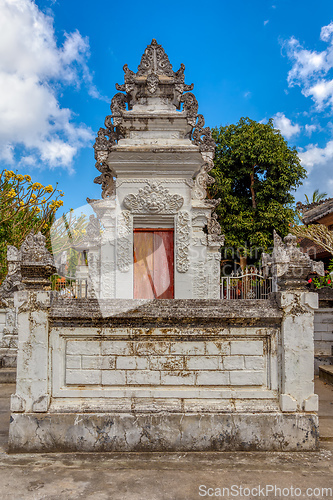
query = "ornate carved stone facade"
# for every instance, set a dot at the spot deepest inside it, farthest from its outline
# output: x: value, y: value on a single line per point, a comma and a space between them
x: 154, y: 155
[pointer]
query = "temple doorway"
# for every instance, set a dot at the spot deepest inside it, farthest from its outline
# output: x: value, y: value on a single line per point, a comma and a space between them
x: 153, y: 263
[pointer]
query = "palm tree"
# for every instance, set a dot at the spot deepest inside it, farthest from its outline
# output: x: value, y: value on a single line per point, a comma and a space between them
x: 316, y: 197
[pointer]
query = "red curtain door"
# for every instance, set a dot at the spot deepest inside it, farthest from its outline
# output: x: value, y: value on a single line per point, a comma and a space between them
x: 153, y: 264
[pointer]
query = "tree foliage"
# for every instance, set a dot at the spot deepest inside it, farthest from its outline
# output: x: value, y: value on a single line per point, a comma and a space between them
x: 316, y: 197
x: 255, y: 172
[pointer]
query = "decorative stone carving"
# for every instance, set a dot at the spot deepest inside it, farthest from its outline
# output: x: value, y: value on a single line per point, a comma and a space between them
x: 13, y: 280
x: 107, y: 279
x: 118, y: 105
x: 203, y: 179
x: 155, y: 60
x: 179, y: 80
x: 190, y: 107
x: 200, y: 282
x: 129, y: 85
x: 288, y: 264
x: 37, y: 264
x: 105, y: 179
x: 183, y: 241
x: 202, y: 136
x: 214, y: 259
x: 153, y: 199
x: 152, y: 83
x: 124, y: 241
x: 214, y: 231
x: 93, y: 230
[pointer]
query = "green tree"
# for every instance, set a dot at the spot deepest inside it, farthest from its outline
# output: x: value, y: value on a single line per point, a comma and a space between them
x: 255, y: 172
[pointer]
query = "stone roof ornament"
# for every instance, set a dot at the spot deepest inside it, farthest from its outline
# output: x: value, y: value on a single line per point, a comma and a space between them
x: 289, y: 265
x: 154, y: 79
x: 155, y: 60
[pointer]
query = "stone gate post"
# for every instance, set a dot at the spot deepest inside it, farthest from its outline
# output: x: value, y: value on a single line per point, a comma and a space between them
x: 32, y: 304
x: 290, y: 269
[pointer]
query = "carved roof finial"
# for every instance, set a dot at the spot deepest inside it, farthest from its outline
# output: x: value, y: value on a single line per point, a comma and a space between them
x: 155, y: 60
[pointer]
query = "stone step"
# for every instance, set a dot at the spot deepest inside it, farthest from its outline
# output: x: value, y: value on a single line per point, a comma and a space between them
x: 321, y: 360
x: 7, y: 375
x: 326, y: 373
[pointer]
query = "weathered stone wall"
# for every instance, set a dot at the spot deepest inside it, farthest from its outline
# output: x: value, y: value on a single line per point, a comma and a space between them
x: 164, y: 374
x: 8, y: 333
x: 323, y: 337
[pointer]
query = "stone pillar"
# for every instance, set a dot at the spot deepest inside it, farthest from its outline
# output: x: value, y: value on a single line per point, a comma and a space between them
x: 290, y: 269
x: 32, y: 304
x: 32, y: 359
x: 297, y: 351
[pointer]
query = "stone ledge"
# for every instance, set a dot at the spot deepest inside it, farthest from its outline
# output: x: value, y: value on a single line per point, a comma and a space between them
x: 165, y: 312
x: 32, y: 432
x: 326, y: 373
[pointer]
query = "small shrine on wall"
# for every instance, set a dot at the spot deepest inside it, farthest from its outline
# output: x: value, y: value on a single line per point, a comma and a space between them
x: 160, y: 237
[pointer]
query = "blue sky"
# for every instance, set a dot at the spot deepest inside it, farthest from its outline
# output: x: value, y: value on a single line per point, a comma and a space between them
x: 60, y: 60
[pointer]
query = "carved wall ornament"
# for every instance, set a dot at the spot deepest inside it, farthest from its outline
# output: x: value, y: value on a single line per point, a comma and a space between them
x: 180, y: 79
x: 200, y: 280
x: 213, y: 225
x: 105, y: 179
x: 202, y: 180
x: 153, y: 199
x: 129, y: 86
x: 124, y: 241
x: 183, y: 234
x: 190, y: 107
x: 93, y: 230
x: 152, y: 83
x: 202, y: 136
x: 118, y: 106
x: 13, y: 280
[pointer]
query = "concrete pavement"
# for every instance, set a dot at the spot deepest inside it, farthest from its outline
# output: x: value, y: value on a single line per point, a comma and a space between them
x: 168, y: 476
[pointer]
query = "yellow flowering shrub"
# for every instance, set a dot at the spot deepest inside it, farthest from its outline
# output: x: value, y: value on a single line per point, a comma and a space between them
x: 24, y: 206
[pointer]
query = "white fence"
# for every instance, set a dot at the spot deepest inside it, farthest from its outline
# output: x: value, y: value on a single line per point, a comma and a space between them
x: 76, y: 288
x: 249, y: 284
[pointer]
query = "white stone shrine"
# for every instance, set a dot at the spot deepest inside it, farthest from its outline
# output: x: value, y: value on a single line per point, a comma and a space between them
x: 193, y: 372
x: 154, y: 159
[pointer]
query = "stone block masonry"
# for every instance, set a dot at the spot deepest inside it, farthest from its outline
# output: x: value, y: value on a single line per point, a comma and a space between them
x: 161, y: 375
x: 129, y: 362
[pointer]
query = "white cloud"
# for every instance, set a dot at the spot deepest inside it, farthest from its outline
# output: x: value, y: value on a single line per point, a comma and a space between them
x: 310, y: 128
x: 266, y: 22
x: 321, y: 92
x: 285, y: 126
x: 326, y: 32
x: 311, y: 68
x: 314, y: 156
x: 32, y: 67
